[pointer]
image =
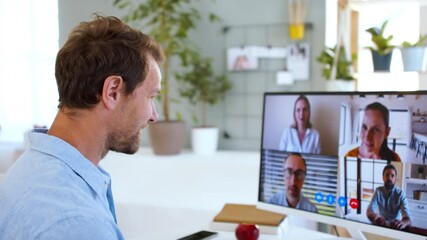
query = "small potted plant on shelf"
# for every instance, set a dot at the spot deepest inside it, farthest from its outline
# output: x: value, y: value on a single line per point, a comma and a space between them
x: 202, y: 87
x: 383, y: 49
x: 414, y: 55
x: 343, y: 75
x: 420, y: 191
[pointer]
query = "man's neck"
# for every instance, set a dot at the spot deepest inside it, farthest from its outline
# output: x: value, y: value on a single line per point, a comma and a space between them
x: 79, y: 130
x: 292, y: 201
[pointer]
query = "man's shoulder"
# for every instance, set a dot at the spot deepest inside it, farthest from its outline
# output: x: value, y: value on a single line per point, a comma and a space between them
x: 62, y: 226
x: 44, y: 208
x: 34, y: 197
x: 353, y: 152
x: 306, y: 204
x: 399, y: 191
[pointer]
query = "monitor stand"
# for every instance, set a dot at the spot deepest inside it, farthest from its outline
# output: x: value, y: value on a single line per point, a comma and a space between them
x: 356, y: 234
x: 293, y: 221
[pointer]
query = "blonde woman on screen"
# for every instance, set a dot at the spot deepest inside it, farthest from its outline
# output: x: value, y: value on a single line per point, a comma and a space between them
x: 301, y: 136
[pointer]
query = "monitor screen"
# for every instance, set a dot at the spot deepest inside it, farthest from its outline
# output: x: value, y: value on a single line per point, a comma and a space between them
x: 353, y: 159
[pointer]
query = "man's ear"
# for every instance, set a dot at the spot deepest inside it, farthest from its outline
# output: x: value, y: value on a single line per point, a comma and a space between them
x: 111, y: 91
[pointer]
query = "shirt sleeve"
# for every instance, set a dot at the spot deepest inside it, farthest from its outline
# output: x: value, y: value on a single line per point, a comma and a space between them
x: 404, y: 208
x: 277, y: 198
x: 373, y: 205
x: 283, y: 140
x: 317, y: 141
x: 82, y: 228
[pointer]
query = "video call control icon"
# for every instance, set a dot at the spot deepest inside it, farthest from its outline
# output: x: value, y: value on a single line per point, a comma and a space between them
x: 330, y: 199
x: 318, y: 197
x: 342, y: 201
x: 354, y: 203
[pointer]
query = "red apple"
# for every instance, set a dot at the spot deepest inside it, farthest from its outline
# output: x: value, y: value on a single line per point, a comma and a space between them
x: 247, y: 232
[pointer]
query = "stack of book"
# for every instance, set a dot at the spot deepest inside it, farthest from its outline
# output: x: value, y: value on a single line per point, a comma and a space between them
x: 232, y: 215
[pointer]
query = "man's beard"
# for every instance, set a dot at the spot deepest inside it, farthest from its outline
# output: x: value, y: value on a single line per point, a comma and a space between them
x: 295, y: 193
x: 389, y: 185
x: 118, y: 142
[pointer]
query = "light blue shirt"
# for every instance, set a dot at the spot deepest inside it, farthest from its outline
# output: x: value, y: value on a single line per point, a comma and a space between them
x: 391, y: 205
x: 303, y: 203
x: 54, y: 192
x: 290, y: 141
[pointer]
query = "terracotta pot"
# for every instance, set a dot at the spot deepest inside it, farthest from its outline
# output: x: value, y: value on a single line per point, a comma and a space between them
x: 167, y: 138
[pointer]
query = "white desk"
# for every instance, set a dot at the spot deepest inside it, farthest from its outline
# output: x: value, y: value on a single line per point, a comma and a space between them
x: 167, y: 197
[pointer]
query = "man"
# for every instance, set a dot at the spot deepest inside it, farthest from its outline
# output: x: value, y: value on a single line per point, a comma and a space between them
x: 294, y: 174
x: 389, y: 206
x: 108, y: 76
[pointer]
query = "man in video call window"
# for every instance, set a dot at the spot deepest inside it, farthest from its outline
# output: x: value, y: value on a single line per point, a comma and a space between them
x: 389, y: 206
x: 294, y: 173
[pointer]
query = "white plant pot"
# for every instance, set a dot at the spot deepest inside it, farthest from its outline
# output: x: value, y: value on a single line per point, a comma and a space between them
x: 340, y: 86
x: 414, y: 59
x: 204, y: 141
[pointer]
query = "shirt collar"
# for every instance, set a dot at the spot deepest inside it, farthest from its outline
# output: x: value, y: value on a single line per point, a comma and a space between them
x: 97, y: 178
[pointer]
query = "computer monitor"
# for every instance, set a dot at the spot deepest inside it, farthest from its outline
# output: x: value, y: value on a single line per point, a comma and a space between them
x: 347, y: 140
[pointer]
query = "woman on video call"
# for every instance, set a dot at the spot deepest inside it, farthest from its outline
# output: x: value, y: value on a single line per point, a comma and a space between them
x: 301, y: 137
x: 374, y: 133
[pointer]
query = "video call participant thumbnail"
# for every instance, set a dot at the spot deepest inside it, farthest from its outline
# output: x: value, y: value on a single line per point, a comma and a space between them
x: 389, y: 206
x: 374, y: 132
x: 301, y: 136
x: 295, y: 170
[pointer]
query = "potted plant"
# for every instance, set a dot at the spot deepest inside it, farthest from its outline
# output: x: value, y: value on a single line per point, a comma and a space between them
x: 383, y: 50
x: 169, y: 22
x: 343, y: 79
x: 414, y: 55
x: 201, y: 86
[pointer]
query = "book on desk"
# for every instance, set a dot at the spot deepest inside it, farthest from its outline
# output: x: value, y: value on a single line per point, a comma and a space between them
x: 232, y: 215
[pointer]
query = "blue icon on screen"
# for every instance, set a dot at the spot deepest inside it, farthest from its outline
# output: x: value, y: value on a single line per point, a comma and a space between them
x: 318, y: 197
x: 330, y: 199
x: 342, y: 201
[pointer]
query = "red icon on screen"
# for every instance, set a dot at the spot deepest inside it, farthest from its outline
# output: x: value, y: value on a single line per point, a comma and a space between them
x: 354, y: 203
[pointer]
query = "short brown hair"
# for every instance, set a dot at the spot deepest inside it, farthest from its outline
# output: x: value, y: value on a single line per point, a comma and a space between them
x: 97, y: 49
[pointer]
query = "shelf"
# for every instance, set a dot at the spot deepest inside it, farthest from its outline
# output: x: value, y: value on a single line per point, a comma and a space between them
x: 415, y: 201
x: 416, y: 180
x: 391, y: 81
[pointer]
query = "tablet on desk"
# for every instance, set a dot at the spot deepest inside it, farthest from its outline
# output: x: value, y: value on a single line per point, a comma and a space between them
x: 201, y: 235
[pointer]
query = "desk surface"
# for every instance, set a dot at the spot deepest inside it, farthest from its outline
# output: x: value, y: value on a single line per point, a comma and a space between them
x: 167, y: 197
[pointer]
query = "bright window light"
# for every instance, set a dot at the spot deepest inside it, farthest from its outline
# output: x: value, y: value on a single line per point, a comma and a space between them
x: 28, y: 48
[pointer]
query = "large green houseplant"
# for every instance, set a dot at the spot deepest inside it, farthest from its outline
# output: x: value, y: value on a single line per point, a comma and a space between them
x: 382, y: 49
x: 169, y: 22
x: 202, y: 87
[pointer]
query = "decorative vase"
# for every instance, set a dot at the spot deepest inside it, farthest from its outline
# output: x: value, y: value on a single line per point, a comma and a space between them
x: 414, y: 59
x: 167, y: 138
x: 381, y: 62
x: 204, y: 140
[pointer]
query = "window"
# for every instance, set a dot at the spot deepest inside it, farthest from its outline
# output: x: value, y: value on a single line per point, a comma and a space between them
x: 28, y: 48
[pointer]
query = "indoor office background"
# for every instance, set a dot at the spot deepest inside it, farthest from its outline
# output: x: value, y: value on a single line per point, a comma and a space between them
x: 249, y: 22
x: 239, y: 115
